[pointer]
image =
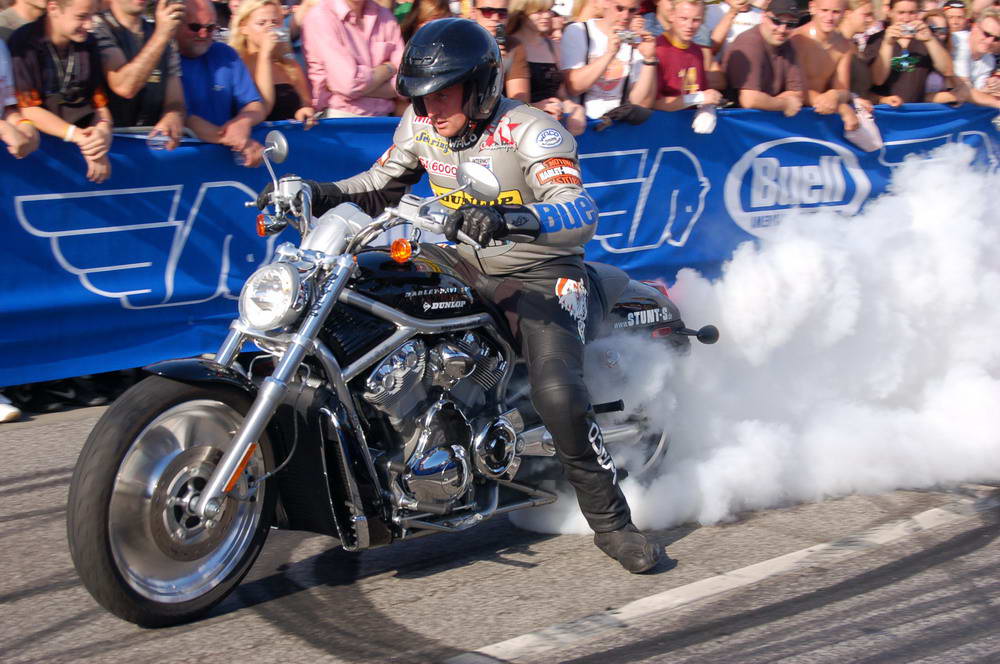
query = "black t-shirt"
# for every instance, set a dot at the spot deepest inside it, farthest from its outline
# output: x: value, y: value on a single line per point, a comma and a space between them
x: 70, y: 85
x: 908, y: 85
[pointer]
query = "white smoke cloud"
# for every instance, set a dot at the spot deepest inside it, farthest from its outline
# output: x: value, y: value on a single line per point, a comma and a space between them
x: 857, y: 356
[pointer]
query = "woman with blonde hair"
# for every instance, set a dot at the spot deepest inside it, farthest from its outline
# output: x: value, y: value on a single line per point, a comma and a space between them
x: 529, y: 25
x: 258, y: 35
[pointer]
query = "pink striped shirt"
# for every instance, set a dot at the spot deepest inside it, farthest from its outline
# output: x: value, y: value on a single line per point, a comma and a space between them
x: 342, y: 50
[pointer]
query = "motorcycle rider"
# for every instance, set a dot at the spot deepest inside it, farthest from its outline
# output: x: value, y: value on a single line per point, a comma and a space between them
x: 530, y: 263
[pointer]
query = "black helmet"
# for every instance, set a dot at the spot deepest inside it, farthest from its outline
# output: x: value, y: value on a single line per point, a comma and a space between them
x: 449, y: 51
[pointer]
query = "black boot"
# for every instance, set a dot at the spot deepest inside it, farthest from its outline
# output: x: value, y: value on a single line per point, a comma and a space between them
x: 636, y: 552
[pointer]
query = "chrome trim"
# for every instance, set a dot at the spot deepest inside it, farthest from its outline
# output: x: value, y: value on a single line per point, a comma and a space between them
x: 357, y: 504
x: 419, y: 325
x: 376, y: 354
x: 230, y: 347
x: 536, y: 442
x: 536, y: 498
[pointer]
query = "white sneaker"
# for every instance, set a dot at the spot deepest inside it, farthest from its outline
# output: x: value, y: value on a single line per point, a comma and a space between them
x: 8, y: 411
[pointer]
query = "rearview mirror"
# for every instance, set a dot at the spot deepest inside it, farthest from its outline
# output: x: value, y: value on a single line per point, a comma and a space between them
x: 277, y: 146
x: 479, y: 181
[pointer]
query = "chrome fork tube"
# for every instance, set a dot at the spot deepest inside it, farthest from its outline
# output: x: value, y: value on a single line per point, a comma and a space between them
x: 272, y: 392
x: 230, y: 346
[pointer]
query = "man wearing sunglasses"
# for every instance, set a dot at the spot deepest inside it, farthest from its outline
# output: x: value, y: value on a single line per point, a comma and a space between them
x: 903, y: 55
x: 609, y: 61
x: 761, y: 65
x: 975, y: 69
x: 491, y: 15
x: 215, y: 83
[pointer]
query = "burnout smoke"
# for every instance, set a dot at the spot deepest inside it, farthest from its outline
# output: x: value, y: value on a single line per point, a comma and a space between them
x: 857, y: 356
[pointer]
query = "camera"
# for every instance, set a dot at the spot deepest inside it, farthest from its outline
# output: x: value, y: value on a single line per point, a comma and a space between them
x: 629, y: 36
x: 501, y: 35
x: 907, y: 30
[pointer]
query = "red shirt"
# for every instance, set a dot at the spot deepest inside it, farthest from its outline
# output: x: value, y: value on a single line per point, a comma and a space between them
x: 681, y: 70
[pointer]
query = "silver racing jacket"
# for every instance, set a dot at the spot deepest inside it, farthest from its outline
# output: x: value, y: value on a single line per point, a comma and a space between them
x: 531, y: 154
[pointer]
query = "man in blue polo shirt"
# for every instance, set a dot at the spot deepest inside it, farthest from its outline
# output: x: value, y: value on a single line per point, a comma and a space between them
x: 222, y: 101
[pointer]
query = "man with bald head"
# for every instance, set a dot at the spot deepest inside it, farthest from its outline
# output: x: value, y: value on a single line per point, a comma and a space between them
x: 222, y: 100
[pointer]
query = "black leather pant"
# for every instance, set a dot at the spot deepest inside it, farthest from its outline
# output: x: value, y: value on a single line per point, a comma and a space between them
x: 547, y: 311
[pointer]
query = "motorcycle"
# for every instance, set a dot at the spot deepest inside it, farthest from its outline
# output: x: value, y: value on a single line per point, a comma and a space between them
x: 387, y: 402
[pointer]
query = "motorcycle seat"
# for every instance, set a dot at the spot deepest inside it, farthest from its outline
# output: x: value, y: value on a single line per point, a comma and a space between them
x: 610, y: 282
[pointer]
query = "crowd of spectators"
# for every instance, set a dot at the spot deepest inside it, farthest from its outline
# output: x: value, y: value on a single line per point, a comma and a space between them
x: 76, y: 69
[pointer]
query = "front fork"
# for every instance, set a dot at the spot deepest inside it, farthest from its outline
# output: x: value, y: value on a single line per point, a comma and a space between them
x: 235, y: 459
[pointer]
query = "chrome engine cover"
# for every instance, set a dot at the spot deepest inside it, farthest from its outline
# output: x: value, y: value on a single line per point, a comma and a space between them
x: 495, y: 448
x: 438, y: 471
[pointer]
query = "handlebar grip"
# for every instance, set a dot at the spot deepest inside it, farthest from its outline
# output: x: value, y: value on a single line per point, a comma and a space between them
x: 468, y: 240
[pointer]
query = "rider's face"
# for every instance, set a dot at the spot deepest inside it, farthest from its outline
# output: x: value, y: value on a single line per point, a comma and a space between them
x: 444, y: 108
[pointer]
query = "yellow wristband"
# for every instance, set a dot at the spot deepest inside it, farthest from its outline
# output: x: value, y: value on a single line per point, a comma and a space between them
x: 25, y: 121
x: 68, y: 136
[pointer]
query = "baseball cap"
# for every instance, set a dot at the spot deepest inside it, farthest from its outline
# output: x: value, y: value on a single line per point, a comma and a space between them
x: 780, y: 7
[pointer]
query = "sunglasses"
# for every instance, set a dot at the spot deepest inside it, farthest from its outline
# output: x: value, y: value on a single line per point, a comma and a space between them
x: 212, y: 28
x: 954, y: 4
x: 938, y: 29
x: 622, y: 9
x: 990, y: 35
x: 788, y: 24
x: 493, y: 12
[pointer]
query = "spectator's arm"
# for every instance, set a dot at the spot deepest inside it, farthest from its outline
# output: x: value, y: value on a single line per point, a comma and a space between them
x: 518, y: 84
x: 762, y: 101
x: 127, y: 77
x: 171, y: 123
x: 203, y: 129
x: 578, y: 75
x: 263, y: 77
x: 722, y: 29
x: 939, y: 54
x: 18, y: 133
x: 881, y: 64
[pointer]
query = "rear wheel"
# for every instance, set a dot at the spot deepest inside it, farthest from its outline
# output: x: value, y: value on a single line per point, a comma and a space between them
x: 135, y: 540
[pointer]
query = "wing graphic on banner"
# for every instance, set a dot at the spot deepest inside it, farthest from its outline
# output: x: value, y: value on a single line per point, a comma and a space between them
x: 130, y: 245
x: 665, y: 203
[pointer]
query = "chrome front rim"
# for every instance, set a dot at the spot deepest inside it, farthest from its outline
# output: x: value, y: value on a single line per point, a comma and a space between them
x: 164, y: 551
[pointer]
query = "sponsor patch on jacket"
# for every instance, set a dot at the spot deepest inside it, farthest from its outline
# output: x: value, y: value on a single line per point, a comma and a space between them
x: 483, y: 161
x: 549, y: 138
x: 572, y: 296
x: 502, y: 137
x: 433, y: 140
x: 459, y: 198
x: 421, y: 119
x: 435, y: 167
x: 559, y: 170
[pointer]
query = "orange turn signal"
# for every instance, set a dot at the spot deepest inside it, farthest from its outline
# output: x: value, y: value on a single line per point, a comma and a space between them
x: 400, y: 250
x: 261, y: 228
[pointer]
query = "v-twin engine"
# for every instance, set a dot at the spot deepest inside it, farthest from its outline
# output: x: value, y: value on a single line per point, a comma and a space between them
x: 437, y: 396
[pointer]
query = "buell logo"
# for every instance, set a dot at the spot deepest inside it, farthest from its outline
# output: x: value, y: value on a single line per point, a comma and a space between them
x: 793, y: 173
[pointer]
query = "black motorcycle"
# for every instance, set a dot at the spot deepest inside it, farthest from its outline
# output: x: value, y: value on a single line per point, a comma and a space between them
x: 387, y: 403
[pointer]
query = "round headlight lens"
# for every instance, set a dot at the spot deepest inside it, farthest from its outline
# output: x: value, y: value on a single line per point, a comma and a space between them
x: 269, y: 296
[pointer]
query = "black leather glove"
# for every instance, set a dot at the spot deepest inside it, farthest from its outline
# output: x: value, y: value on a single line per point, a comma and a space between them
x: 481, y: 223
x: 317, y: 194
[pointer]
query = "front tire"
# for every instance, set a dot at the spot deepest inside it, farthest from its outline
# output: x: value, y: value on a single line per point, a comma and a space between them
x: 135, y: 542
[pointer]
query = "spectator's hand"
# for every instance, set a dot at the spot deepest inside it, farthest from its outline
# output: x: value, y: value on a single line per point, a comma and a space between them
x: 892, y: 34
x: 892, y: 100
x: 553, y: 106
x: 93, y: 142
x: 253, y: 154
x: 792, y: 103
x: 98, y: 169
x: 168, y: 17
x: 307, y: 116
x: 614, y: 43
x: 865, y: 104
x: 738, y: 6
x: 647, y: 46
x: 235, y: 134
x: 827, y: 102
x: 172, y: 126
x: 923, y: 33
x: 268, y: 43
x: 992, y: 86
x: 849, y: 117
x: 576, y: 121
x: 18, y: 145
x: 712, y: 97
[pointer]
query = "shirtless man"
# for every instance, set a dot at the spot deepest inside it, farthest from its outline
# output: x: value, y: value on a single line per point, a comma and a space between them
x: 825, y: 56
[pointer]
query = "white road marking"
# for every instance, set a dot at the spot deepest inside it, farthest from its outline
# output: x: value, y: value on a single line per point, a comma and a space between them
x: 592, y: 627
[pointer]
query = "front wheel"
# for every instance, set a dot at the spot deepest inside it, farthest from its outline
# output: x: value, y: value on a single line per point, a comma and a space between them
x: 135, y: 541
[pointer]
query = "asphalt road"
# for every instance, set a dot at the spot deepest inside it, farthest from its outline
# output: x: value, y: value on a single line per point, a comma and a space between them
x: 873, y: 585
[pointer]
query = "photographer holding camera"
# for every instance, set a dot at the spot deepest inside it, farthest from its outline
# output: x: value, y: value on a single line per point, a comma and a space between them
x: 903, y: 55
x: 610, y: 61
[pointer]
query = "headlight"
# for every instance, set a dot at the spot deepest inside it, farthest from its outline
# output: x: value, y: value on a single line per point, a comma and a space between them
x: 271, y: 297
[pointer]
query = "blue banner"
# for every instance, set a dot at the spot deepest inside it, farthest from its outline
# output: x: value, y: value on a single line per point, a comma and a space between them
x: 148, y: 265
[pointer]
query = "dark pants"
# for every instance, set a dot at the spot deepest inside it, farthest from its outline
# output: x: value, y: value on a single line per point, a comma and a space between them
x: 546, y: 308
